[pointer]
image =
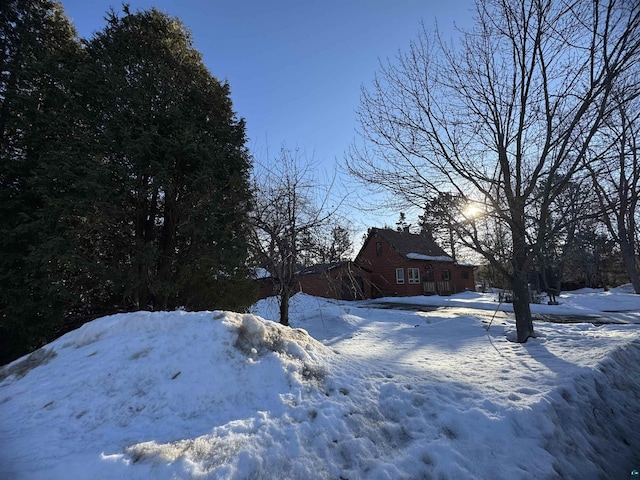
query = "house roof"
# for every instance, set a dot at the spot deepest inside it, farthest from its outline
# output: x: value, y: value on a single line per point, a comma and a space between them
x: 320, y: 268
x: 420, y: 246
x: 325, y: 267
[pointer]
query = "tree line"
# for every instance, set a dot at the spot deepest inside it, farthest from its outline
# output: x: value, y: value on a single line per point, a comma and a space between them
x: 124, y: 175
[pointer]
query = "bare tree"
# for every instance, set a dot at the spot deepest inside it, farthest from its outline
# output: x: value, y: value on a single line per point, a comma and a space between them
x: 289, y: 206
x: 616, y: 180
x: 503, y: 118
x: 568, y: 214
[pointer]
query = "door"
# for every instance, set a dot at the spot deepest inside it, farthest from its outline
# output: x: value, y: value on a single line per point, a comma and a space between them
x: 429, y: 285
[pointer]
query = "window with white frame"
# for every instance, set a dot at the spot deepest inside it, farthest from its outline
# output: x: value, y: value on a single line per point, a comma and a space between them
x: 399, y: 275
x: 413, y: 274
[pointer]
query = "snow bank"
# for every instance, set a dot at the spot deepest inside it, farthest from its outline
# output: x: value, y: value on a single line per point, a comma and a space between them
x: 153, y: 389
x: 367, y: 393
x: 596, y: 419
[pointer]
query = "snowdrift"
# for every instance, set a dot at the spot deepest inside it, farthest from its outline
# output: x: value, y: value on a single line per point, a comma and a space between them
x: 183, y: 390
x: 369, y: 393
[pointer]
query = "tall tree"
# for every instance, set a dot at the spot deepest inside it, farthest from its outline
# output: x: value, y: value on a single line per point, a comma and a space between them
x: 174, y: 164
x: 289, y: 207
x: 325, y: 245
x: 569, y: 213
x: 441, y: 214
x: 402, y: 224
x: 40, y: 170
x: 504, y: 117
x: 340, y: 246
x: 590, y: 258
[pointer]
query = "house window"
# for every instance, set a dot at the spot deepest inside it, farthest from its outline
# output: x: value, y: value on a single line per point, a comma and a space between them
x: 378, y: 249
x: 465, y: 274
x: 399, y: 275
x: 446, y: 275
x: 413, y: 274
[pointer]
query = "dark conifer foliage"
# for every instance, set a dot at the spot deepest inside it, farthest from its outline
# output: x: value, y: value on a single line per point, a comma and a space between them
x: 172, y: 149
x: 38, y: 170
x: 123, y: 177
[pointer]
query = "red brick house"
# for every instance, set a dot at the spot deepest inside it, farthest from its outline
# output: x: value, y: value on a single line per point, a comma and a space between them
x: 342, y: 280
x: 407, y: 264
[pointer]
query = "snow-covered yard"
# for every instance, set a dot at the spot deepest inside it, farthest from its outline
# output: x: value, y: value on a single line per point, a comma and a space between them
x: 368, y: 393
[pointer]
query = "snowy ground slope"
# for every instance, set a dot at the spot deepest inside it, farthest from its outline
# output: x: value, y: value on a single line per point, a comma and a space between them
x: 370, y: 393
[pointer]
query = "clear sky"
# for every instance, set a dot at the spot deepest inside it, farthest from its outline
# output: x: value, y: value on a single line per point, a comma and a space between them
x: 295, y: 68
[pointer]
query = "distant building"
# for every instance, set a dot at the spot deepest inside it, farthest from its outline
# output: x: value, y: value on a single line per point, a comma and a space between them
x: 343, y: 280
x: 407, y: 264
x: 390, y: 263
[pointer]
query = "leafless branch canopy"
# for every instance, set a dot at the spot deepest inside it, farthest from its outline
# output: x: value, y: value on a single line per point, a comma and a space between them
x: 504, y: 117
x: 289, y: 204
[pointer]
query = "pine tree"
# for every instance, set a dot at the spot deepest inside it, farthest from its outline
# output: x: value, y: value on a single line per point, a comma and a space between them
x: 341, y: 245
x: 172, y: 153
x: 38, y: 169
x: 123, y: 174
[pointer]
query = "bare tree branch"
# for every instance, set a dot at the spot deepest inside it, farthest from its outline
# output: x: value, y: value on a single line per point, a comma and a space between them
x: 506, y: 118
x: 289, y: 205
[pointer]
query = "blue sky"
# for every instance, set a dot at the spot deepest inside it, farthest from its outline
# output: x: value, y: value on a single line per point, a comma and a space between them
x: 295, y: 67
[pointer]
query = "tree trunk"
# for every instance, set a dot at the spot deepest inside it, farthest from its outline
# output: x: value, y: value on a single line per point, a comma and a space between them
x: 519, y: 284
x: 141, y: 295
x: 630, y: 264
x: 285, y: 294
x: 521, y: 307
x: 452, y: 243
x: 167, y: 247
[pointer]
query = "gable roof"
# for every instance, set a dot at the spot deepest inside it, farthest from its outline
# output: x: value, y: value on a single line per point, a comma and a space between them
x: 326, y: 267
x: 420, y: 246
x: 320, y: 268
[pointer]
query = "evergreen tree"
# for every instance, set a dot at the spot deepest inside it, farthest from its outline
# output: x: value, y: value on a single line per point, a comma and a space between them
x: 401, y: 224
x: 39, y: 170
x: 123, y: 174
x: 442, y: 212
x: 341, y: 245
x: 174, y: 165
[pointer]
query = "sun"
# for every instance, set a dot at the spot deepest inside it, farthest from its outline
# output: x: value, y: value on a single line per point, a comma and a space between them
x: 471, y: 211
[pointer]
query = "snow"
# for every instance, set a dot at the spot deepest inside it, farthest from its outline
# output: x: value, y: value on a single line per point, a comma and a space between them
x: 431, y: 258
x: 356, y: 390
x: 261, y: 273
